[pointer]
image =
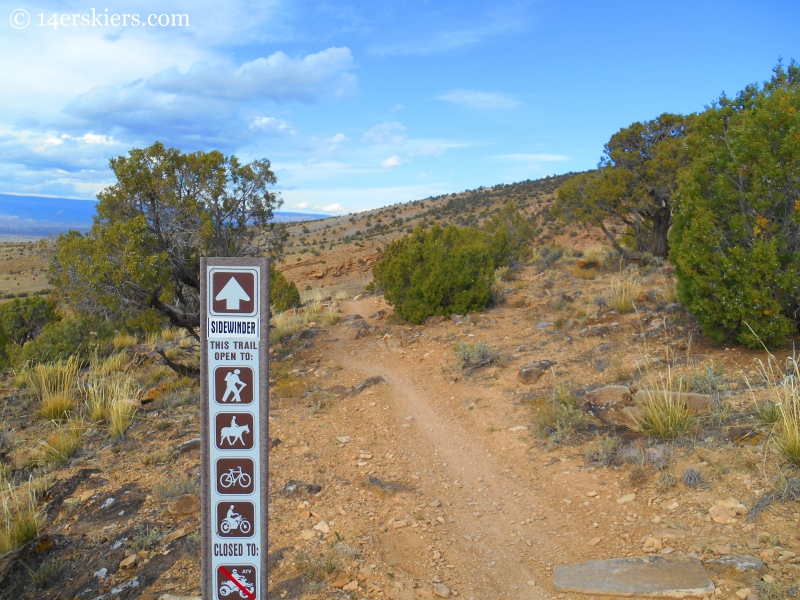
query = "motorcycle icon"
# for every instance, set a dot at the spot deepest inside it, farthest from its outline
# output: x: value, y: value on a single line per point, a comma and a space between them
x: 237, y: 522
x: 234, y: 477
x: 228, y: 587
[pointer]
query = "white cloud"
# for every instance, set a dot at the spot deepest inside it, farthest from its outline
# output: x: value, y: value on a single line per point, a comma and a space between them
x: 387, y: 133
x: 332, y: 208
x: 479, y: 100
x: 278, y: 77
x: 272, y: 125
x: 93, y: 139
x: 397, y: 107
x: 392, y: 161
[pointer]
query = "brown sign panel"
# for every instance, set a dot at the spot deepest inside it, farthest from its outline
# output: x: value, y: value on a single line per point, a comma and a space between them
x: 234, y: 431
x: 233, y: 293
x: 235, y: 519
x: 237, y: 581
x: 233, y: 385
x: 235, y: 476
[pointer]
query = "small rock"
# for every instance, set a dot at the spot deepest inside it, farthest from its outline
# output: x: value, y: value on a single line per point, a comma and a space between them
x: 652, y: 544
x: 294, y: 488
x: 350, y: 587
x: 531, y: 583
x: 169, y: 538
x: 611, y: 404
x: 725, y: 511
x: 101, y: 574
x: 591, y: 494
x: 627, y: 498
x: 593, y: 542
x: 189, y: 445
x: 143, y: 554
x: 385, y: 486
x: 739, y: 566
x: 322, y: 526
x: 441, y: 590
x: 183, y: 505
x: 743, y: 593
x: 519, y: 428
x: 129, y: 562
x: 399, y: 524
x: 344, y: 439
x: 532, y: 372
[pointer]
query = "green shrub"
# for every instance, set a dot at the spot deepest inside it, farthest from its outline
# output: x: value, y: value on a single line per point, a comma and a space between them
x: 734, y: 243
x: 436, y: 272
x: 65, y: 338
x: 512, y: 233
x: 283, y: 293
x: 22, y: 319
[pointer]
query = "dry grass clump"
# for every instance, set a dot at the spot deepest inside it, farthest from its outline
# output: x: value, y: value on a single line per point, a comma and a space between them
x: 664, y: 414
x: 287, y: 323
x: 55, y: 384
x: 588, y: 273
x: 123, y: 340
x: 107, y: 365
x: 64, y: 442
x: 97, y: 399
x: 289, y: 388
x: 177, y: 486
x: 330, y: 317
x: 622, y: 294
x: 784, y: 387
x: 168, y: 334
x: 471, y: 356
x: 120, y: 415
x: 18, y: 521
x: 602, y: 452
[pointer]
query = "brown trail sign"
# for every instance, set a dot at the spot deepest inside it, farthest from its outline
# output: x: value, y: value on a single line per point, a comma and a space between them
x: 235, y: 427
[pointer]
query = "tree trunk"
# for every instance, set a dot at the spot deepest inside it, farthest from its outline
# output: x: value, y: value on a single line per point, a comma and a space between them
x: 658, y: 236
x: 626, y: 254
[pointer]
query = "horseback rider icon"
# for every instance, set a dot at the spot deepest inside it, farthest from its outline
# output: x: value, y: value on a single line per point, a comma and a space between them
x: 234, y: 386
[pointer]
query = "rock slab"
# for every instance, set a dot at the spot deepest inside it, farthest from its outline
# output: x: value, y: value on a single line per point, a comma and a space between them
x: 639, y: 577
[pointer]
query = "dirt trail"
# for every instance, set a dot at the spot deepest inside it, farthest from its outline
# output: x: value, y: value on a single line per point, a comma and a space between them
x: 496, y: 532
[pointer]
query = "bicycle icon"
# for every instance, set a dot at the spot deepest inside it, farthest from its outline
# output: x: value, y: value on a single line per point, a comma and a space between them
x: 235, y: 476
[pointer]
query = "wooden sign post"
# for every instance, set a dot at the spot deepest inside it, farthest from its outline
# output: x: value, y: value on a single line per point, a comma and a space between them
x: 234, y: 326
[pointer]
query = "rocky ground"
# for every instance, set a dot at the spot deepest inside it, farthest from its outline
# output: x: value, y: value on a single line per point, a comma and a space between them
x: 396, y: 473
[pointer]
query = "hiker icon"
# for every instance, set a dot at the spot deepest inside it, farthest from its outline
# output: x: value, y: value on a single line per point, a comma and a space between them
x: 234, y: 385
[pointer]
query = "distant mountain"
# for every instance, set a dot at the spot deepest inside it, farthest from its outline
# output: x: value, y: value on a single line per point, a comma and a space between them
x: 36, y: 216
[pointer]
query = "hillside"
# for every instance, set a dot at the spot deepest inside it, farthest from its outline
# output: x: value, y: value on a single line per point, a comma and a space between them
x: 481, y: 456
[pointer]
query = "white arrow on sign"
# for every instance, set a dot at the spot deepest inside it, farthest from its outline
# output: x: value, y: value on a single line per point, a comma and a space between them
x: 233, y: 293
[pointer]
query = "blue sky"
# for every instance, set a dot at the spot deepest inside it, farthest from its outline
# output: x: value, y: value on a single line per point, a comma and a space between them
x: 364, y: 104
